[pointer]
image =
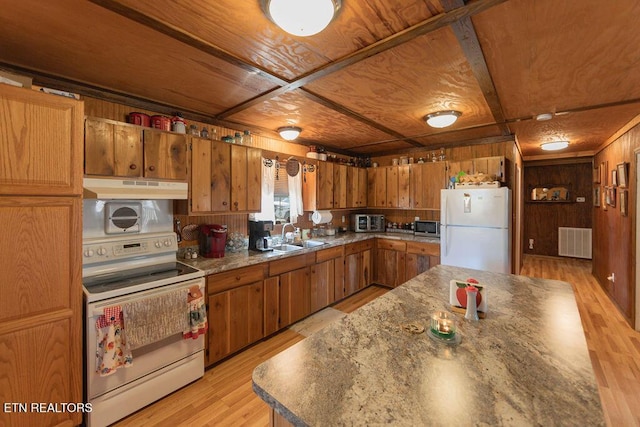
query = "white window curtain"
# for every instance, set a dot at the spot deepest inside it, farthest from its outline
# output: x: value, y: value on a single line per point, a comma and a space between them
x: 295, y: 196
x: 268, y: 183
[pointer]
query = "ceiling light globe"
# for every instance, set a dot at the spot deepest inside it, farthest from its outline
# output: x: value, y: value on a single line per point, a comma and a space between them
x: 302, y: 17
x: 289, y: 133
x: 442, y: 119
x: 554, y: 145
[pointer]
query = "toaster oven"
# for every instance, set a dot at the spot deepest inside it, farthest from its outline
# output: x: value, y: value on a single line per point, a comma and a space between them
x: 362, y: 223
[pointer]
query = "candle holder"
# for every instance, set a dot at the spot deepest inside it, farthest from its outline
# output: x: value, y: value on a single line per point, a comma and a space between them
x: 443, y: 328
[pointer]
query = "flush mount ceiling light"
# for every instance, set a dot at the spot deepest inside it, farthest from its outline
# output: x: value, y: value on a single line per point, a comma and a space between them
x: 301, y: 17
x: 554, y: 145
x: 442, y: 119
x: 544, y: 117
x: 289, y: 132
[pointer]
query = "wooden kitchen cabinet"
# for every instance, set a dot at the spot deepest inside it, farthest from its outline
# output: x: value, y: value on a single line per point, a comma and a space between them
x: 357, y: 266
x: 123, y: 150
x: 41, y: 232
x: 420, y: 257
x: 427, y: 179
x: 294, y: 287
x: 334, y: 186
x: 165, y: 155
x: 357, y: 187
x: 41, y: 143
x: 390, y: 262
x: 235, y: 320
x: 327, y: 277
x: 224, y: 178
x: 236, y: 300
x: 398, y: 186
x: 377, y: 187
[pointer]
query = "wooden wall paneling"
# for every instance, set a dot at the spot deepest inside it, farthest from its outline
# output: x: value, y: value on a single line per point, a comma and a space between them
x: 614, y: 237
x: 542, y: 219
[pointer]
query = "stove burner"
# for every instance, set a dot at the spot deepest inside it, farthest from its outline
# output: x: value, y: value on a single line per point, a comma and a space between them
x: 137, y: 276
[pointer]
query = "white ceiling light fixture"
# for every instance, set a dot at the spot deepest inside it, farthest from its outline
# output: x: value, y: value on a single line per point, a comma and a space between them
x: 554, y: 145
x: 544, y: 117
x: 302, y: 17
x: 289, y: 132
x: 442, y: 119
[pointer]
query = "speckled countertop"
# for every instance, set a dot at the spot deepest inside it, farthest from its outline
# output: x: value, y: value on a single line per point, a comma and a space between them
x: 525, y: 364
x: 245, y: 258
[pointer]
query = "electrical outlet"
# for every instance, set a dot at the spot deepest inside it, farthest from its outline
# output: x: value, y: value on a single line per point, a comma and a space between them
x: 581, y: 199
x: 343, y: 219
x: 310, y: 217
x: 530, y: 243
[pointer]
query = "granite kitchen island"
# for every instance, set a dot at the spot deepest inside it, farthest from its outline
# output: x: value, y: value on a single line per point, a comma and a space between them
x: 526, y: 363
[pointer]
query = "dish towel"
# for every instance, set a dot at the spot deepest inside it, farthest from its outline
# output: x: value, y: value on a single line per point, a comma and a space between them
x: 155, y: 318
x: 197, y: 314
x: 112, y: 350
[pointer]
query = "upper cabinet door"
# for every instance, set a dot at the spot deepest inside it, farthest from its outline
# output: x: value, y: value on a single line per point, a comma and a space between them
x: 426, y: 182
x: 40, y: 143
x: 112, y: 149
x: 165, y: 155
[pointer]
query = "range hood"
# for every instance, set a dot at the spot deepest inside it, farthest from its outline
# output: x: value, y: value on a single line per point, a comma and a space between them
x: 118, y: 188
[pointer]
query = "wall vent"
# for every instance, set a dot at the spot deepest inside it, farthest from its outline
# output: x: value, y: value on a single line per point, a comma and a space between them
x: 574, y: 242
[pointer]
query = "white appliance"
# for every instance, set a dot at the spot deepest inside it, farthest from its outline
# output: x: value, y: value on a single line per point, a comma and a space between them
x: 475, y: 229
x: 134, y: 267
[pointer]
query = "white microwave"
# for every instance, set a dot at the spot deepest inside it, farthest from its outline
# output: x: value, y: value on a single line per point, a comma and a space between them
x: 427, y: 228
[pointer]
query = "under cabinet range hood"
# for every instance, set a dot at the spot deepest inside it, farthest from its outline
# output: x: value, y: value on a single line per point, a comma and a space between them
x: 114, y: 188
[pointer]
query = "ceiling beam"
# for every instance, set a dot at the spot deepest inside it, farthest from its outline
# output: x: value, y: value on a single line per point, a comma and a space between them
x: 468, y: 38
x: 487, y: 140
x: 429, y: 25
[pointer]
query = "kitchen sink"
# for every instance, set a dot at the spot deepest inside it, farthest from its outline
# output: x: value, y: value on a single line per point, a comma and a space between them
x: 287, y: 248
x: 292, y: 248
x: 312, y: 243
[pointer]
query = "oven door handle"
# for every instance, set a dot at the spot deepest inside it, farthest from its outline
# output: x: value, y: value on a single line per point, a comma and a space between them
x: 96, y: 309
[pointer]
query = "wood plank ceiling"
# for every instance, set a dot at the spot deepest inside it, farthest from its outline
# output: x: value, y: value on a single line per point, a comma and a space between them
x: 364, y: 84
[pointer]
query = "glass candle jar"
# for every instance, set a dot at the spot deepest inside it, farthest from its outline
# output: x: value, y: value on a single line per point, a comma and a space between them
x: 443, y: 325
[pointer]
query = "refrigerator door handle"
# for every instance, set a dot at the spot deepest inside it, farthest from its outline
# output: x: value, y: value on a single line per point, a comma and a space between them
x: 443, y: 242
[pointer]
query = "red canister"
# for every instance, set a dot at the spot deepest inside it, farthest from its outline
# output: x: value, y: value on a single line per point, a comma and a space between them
x: 161, y: 122
x: 140, y: 119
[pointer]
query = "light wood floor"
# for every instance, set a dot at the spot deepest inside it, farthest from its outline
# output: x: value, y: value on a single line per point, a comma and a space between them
x: 224, y: 396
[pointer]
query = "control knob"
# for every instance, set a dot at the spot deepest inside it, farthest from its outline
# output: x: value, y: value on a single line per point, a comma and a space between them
x: 88, y: 253
x: 167, y: 242
x: 102, y: 251
x: 158, y: 244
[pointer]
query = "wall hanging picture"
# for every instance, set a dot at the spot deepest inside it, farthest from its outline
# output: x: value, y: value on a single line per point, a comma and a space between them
x: 610, y: 196
x: 596, y: 175
x: 623, y: 202
x: 622, y: 175
x: 596, y: 197
x: 614, y: 178
x: 603, y: 173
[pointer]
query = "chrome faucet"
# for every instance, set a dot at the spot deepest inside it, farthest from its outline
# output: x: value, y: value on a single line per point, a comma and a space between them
x: 283, y: 227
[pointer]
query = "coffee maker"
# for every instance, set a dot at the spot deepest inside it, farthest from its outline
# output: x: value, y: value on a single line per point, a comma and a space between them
x: 259, y: 231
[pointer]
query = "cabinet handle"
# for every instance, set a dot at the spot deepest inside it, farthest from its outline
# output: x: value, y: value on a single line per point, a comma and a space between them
x: 152, y: 168
x: 224, y: 203
x: 133, y: 167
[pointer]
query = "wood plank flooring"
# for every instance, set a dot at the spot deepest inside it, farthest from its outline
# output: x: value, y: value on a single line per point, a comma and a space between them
x: 224, y: 396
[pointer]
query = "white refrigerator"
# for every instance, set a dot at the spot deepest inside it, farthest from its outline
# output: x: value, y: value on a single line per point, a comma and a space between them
x: 475, y: 229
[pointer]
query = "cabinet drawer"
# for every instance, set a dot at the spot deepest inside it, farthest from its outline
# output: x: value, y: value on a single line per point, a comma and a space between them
x: 393, y: 245
x: 330, y: 253
x: 423, y: 248
x: 354, y: 248
x: 290, y: 263
x: 234, y: 278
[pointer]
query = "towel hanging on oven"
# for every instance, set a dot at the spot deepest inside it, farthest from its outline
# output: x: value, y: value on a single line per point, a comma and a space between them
x: 152, y: 319
x: 197, y: 314
x: 112, y: 350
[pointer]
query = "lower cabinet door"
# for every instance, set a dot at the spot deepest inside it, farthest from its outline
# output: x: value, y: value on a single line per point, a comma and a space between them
x: 236, y: 319
x: 295, y: 296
